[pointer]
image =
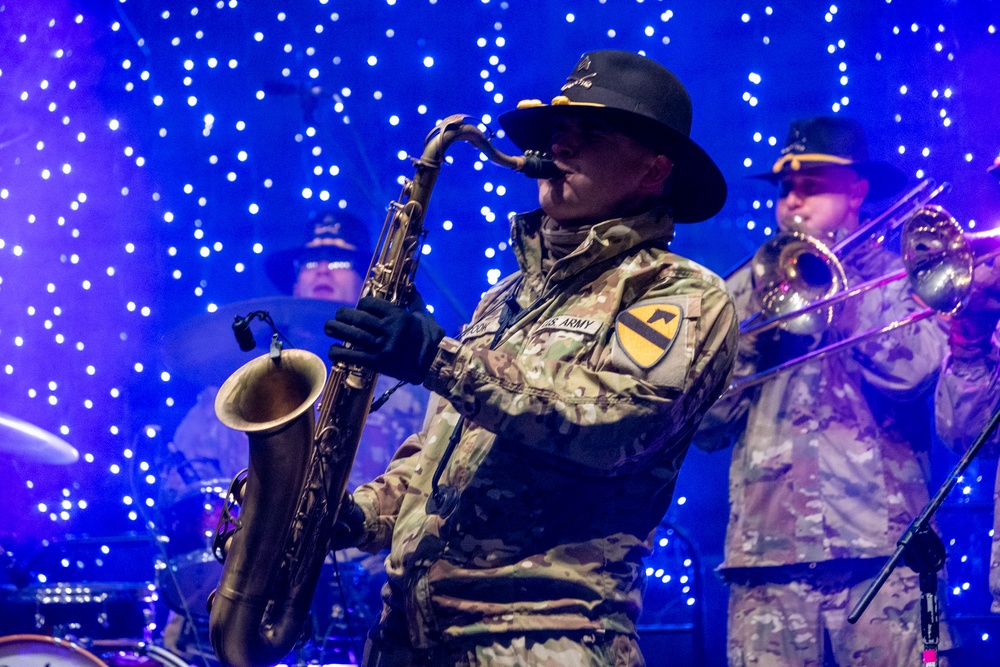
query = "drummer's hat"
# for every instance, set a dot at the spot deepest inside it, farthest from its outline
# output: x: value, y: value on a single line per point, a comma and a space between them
x: 336, y: 237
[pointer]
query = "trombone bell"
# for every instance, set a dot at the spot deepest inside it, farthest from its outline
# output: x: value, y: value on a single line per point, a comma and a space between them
x: 789, y: 273
x: 938, y: 259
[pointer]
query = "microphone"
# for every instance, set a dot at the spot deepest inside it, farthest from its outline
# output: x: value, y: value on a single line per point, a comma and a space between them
x: 995, y: 171
x: 241, y: 329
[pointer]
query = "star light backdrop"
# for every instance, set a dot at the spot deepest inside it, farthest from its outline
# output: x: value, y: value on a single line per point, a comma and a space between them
x: 153, y: 153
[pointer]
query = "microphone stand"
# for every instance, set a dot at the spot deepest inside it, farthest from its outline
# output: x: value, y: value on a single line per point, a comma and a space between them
x: 924, y: 552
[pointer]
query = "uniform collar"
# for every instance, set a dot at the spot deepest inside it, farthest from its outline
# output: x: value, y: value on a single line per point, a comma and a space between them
x: 606, y: 239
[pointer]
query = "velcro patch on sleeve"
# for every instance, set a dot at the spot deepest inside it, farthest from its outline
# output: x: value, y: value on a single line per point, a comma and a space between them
x: 647, y: 332
x: 652, y: 339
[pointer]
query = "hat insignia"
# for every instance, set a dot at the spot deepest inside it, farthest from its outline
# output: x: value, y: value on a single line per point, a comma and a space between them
x: 327, y: 229
x: 797, y: 146
x: 578, y: 78
x: 584, y: 81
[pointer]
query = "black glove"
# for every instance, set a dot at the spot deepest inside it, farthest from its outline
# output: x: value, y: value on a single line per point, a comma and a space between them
x: 350, y: 526
x: 387, y: 338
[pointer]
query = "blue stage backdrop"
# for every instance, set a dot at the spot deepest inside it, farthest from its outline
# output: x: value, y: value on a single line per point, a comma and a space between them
x: 153, y: 153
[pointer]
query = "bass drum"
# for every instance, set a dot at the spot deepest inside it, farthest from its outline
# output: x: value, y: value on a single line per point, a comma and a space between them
x: 89, y: 610
x: 39, y: 651
x: 191, y: 572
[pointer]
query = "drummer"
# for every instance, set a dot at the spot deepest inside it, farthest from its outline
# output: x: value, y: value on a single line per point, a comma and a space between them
x: 329, y: 266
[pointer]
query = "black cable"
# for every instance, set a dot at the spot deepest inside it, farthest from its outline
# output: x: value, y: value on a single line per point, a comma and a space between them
x: 380, y: 401
x: 336, y: 571
x: 241, y: 329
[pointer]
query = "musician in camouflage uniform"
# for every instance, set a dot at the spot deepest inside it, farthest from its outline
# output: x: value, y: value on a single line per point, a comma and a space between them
x: 829, y: 461
x: 519, y: 517
x: 969, y: 389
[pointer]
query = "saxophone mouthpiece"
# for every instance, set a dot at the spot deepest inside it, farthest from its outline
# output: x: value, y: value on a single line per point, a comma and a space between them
x: 539, y: 165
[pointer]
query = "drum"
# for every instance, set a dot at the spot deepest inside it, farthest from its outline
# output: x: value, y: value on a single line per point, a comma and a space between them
x: 38, y: 651
x: 191, y: 520
x: 87, y: 610
x: 355, y: 581
x: 141, y: 654
x: 191, y: 571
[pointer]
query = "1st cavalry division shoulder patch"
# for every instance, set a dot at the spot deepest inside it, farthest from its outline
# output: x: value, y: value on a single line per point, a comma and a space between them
x: 647, y: 332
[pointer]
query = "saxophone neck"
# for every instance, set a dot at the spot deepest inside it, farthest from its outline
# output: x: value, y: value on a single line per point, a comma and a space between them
x: 533, y: 164
x: 394, y: 264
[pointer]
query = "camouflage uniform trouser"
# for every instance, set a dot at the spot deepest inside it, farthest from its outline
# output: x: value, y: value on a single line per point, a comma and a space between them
x: 511, y: 651
x: 801, y: 619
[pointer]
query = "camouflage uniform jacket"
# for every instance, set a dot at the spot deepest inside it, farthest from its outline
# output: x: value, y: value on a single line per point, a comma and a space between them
x: 829, y: 459
x: 967, y: 394
x: 569, y: 450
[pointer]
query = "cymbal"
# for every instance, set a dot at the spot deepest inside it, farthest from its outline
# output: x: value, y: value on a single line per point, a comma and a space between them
x: 27, y: 442
x: 204, y: 350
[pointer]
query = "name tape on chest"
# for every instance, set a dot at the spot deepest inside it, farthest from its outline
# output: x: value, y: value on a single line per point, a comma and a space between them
x: 646, y: 333
x: 480, y: 328
x: 583, y: 325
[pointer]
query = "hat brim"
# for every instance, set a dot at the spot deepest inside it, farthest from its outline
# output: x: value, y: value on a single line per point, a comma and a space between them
x: 280, y: 266
x: 698, y: 189
x: 884, y: 179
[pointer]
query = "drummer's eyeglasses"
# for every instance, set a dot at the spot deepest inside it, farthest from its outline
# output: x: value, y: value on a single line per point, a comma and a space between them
x: 330, y: 266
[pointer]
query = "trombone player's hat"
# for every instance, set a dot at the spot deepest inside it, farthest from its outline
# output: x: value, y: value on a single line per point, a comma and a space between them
x: 831, y: 140
x: 642, y: 99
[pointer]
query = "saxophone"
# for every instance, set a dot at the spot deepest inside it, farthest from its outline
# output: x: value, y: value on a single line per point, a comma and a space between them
x: 276, y: 529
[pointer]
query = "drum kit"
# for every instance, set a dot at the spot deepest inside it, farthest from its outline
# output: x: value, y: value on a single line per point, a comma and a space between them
x: 97, y: 623
x: 48, y: 624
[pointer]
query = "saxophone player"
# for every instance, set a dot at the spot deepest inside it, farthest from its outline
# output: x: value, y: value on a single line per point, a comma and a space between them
x: 518, y: 517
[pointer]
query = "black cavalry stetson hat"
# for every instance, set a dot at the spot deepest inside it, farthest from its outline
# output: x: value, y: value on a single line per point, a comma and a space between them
x: 644, y: 100
x: 336, y: 237
x: 831, y: 140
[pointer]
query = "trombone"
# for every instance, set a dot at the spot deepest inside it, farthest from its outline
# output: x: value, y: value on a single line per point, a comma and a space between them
x: 938, y: 260
x: 794, y: 272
